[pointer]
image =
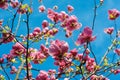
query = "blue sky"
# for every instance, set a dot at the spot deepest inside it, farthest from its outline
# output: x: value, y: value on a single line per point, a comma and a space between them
x: 83, y: 9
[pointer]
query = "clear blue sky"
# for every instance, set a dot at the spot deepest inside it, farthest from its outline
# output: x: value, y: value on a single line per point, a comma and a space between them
x: 83, y: 9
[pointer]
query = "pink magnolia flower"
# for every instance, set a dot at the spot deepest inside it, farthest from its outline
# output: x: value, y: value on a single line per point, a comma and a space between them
x: 41, y: 8
x: 79, y: 57
x: 45, y: 24
x: 7, y: 37
x: 71, y: 23
x: 31, y: 36
x: 74, y: 52
x: 17, y: 50
x: 85, y: 36
x: 117, y: 51
x: 113, y: 14
x: 90, y: 64
x: 9, y: 57
x: 63, y: 15
x: 43, y: 75
x: 14, y: 3
x: 37, y: 29
x: 70, y: 8
x: 13, y: 70
x: 37, y: 57
x: 4, y: 4
x: 22, y: 9
x: 109, y: 30
x: 58, y: 48
x: 44, y: 50
x: 54, y: 16
x: 52, y: 32
x: 36, y: 32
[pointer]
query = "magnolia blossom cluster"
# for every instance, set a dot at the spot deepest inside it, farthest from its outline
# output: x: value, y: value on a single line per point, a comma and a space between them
x: 59, y: 51
x: 43, y: 75
x: 45, y: 32
x: 4, y: 4
x: 95, y: 77
x: 68, y: 61
x: 69, y: 23
x: 21, y: 8
x: 38, y: 56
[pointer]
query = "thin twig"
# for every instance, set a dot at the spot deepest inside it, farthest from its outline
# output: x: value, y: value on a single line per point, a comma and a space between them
x: 27, y: 24
x: 19, y: 70
x: 18, y: 24
x: 95, y: 10
x: 5, y: 72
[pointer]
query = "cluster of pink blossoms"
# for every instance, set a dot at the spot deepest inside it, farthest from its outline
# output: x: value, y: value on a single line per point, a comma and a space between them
x: 5, y: 3
x: 59, y: 51
x: 69, y: 23
x: 89, y: 62
x: 6, y: 37
x: 38, y: 56
x: 22, y: 8
x: 95, y: 77
x: 45, y: 32
x: 43, y: 75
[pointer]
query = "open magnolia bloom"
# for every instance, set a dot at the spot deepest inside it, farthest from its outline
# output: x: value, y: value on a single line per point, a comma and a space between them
x: 113, y: 14
x: 85, y: 36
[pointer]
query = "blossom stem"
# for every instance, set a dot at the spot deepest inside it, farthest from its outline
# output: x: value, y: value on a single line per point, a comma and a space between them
x: 27, y: 23
x: 18, y: 24
x: 108, y: 50
x: 94, y: 18
x: 93, y: 53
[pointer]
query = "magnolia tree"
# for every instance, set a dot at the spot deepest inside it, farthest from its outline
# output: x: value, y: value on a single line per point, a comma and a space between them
x: 72, y: 63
